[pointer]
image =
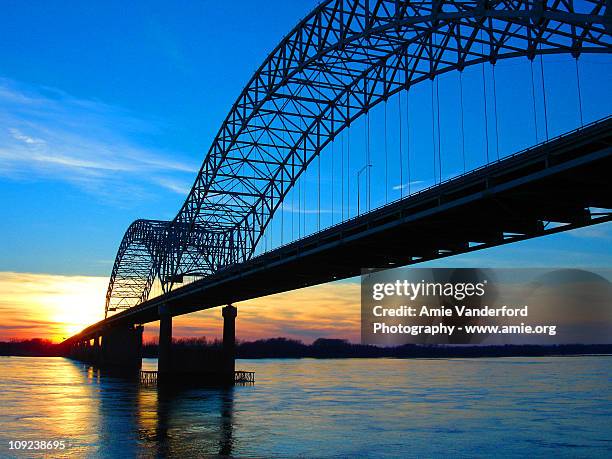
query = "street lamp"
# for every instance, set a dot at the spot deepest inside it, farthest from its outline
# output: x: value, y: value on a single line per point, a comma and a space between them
x: 359, y: 186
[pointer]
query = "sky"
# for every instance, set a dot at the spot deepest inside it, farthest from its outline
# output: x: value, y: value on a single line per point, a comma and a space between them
x: 108, y: 108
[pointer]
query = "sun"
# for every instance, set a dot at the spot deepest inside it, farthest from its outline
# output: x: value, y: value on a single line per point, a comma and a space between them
x: 50, y: 306
x: 78, y: 304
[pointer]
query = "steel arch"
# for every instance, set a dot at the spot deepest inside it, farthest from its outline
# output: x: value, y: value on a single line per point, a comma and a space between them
x: 345, y: 57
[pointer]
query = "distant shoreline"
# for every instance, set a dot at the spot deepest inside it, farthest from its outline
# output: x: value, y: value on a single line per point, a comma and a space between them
x: 333, y: 348
x: 323, y: 348
x: 473, y: 357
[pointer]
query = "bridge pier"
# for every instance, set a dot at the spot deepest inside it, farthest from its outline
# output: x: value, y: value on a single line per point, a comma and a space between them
x: 121, y: 348
x: 164, y: 355
x: 182, y: 365
x: 96, y: 350
x: 229, y: 313
x: 118, y: 349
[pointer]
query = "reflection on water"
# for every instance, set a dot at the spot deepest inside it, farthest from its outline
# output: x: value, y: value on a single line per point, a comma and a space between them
x: 100, y: 415
x: 354, y: 408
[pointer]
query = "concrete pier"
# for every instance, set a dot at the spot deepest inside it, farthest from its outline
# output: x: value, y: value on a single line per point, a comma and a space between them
x: 229, y: 313
x: 184, y: 365
x: 122, y: 348
x: 96, y: 349
x: 119, y: 349
x: 164, y: 356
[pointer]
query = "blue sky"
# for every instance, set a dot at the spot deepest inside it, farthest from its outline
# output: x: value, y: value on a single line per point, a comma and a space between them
x: 106, y: 112
x: 107, y: 109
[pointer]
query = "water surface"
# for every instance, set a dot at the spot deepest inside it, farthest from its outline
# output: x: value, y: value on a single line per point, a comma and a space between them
x: 511, y: 407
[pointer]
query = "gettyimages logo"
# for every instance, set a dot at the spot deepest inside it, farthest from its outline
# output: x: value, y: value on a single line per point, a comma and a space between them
x: 458, y: 291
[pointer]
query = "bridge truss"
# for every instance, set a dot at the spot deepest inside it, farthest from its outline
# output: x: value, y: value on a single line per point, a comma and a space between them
x: 338, y: 63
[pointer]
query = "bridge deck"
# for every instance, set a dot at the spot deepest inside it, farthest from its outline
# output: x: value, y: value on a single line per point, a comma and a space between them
x: 548, y: 188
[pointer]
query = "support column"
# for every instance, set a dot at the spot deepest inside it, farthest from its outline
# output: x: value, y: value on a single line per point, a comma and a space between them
x: 88, y: 351
x: 121, y: 348
x: 229, y: 342
x: 96, y: 350
x: 164, y: 355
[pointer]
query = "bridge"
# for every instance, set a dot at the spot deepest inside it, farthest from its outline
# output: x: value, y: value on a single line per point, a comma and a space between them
x: 341, y: 66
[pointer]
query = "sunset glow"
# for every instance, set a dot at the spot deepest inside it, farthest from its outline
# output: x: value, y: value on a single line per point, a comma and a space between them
x: 49, y: 306
x: 56, y: 307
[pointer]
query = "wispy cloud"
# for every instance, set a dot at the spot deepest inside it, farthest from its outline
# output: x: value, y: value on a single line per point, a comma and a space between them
x: 401, y: 186
x: 323, y: 311
x: 48, y: 134
x: 54, y: 306
x: 49, y: 306
x: 175, y: 186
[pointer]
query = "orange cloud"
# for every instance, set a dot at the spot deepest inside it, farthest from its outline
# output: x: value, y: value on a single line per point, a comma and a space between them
x: 53, y: 306
x: 329, y: 310
x: 49, y: 306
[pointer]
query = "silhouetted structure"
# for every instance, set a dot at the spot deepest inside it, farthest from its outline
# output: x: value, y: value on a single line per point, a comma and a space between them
x: 339, y: 62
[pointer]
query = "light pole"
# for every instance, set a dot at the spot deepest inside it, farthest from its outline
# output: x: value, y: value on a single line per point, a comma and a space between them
x: 359, y: 186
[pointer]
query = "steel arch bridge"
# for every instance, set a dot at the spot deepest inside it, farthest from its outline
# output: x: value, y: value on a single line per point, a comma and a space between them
x: 341, y: 60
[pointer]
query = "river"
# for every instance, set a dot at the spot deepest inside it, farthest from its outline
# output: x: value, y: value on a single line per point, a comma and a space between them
x: 512, y: 407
